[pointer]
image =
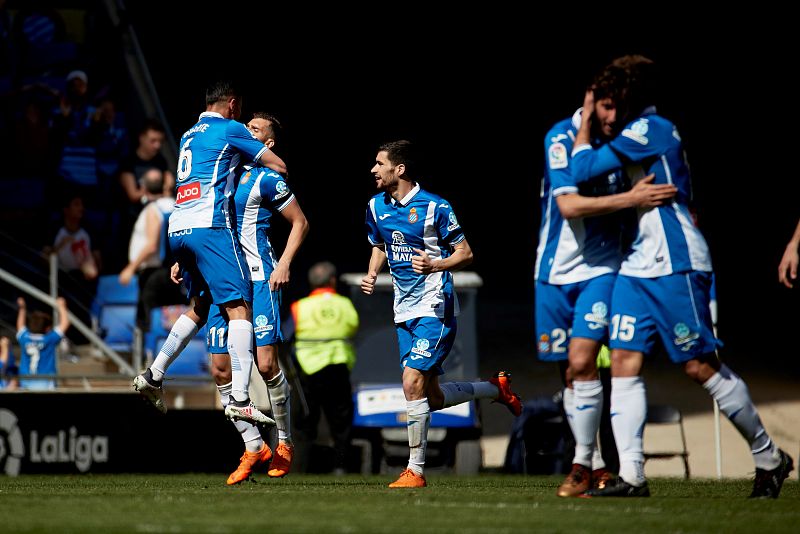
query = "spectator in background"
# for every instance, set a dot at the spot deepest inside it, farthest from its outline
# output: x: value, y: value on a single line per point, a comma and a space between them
x: 147, y: 155
x: 8, y: 366
x: 787, y: 269
x: 40, y: 37
x: 111, y: 136
x: 73, y: 244
x: 38, y: 342
x: 33, y: 137
x: 325, y: 324
x: 73, y: 121
x: 132, y: 195
x: 78, y: 262
x: 147, y: 252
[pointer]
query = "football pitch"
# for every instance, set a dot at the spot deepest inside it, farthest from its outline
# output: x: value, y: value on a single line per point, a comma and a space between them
x: 306, y: 503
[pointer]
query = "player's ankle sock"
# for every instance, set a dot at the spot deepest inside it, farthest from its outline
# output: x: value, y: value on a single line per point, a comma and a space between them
x: 733, y: 398
x: 588, y: 399
x: 249, y: 432
x: 458, y: 392
x: 597, y: 457
x: 240, y: 347
x: 419, y: 418
x: 568, y: 398
x: 182, y: 332
x: 629, y: 409
x: 279, y: 394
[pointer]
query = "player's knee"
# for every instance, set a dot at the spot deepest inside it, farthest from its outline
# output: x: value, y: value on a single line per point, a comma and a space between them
x: 413, y: 386
x: 701, y: 369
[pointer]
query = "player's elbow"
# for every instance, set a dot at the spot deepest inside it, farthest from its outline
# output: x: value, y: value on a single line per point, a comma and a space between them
x: 568, y: 208
x: 569, y: 212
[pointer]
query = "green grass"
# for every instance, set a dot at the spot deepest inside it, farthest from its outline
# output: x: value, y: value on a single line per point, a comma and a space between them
x: 303, y: 503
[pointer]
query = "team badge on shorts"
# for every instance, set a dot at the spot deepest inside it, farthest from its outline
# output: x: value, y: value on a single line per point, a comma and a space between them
x: 261, y: 327
x: 421, y: 348
x: 684, y: 337
x: 412, y: 215
x: 599, y: 316
x: 544, y: 343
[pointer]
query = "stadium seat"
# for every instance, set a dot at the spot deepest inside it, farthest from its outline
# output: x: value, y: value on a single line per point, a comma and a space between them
x: 114, y: 311
x: 664, y: 414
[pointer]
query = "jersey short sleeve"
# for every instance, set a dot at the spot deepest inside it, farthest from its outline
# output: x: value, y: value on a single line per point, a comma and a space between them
x: 276, y: 190
x: 557, y: 156
x: 638, y: 141
x: 373, y: 235
x: 23, y: 336
x: 238, y: 136
x: 450, y: 231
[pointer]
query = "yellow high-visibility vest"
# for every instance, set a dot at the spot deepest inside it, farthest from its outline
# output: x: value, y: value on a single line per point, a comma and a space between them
x: 325, y: 323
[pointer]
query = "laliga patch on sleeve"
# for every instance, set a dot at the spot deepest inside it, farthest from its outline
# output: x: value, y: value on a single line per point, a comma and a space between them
x: 637, y: 132
x: 557, y: 156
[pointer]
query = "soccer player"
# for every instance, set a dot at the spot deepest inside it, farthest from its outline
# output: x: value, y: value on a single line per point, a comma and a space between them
x: 419, y: 235
x: 577, y: 260
x: 38, y: 342
x: 261, y: 193
x: 663, y: 287
x: 202, y: 242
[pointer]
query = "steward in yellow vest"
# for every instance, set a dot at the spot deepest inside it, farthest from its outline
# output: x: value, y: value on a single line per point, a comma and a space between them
x: 325, y: 322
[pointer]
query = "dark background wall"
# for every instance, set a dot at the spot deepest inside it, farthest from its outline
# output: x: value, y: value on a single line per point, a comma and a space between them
x: 479, y: 89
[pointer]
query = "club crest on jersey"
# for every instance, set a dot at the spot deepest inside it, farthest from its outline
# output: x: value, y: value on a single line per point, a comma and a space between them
x: 557, y: 156
x: 421, y: 348
x: 412, y: 215
x: 544, y: 343
x: 637, y: 132
x: 598, y: 318
x: 398, y: 238
x: 245, y: 178
x: 684, y: 337
x: 453, y: 222
x: 188, y: 192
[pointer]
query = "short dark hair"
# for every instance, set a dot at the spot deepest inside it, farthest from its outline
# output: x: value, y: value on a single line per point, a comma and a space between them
x: 275, y: 125
x: 152, y: 124
x: 631, y: 82
x: 221, y: 90
x: 39, y: 321
x: 402, y: 152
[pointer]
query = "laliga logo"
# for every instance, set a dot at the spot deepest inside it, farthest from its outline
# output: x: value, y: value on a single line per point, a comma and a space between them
x: 63, y: 447
x: 12, y: 449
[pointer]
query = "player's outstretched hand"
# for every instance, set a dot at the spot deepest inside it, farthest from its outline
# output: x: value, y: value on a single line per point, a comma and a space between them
x: 279, y: 277
x: 646, y: 194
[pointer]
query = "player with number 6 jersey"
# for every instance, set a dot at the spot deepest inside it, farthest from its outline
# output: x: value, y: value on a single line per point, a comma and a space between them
x: 204, y: 246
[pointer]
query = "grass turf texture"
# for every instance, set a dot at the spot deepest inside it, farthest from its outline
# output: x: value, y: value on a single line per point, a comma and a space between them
x: 305, y: 503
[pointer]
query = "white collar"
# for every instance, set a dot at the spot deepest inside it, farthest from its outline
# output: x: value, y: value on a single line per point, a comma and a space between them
x: 406, y: 199
x: 211, y: 114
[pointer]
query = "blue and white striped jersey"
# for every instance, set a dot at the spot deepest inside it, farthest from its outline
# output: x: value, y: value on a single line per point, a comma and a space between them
x: 667, y: 241
x: 424, y: 221
x: 579, y: 249
x: 209, y: 152
x: 261, y: 193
